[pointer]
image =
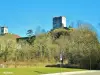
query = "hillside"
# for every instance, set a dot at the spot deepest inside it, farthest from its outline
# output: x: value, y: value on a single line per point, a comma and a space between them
x: 9, y: 36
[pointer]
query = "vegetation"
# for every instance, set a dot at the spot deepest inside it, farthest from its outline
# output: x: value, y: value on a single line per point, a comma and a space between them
x: 78, y: 46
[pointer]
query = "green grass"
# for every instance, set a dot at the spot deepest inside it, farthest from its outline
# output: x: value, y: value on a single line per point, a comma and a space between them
x: 34, y: 71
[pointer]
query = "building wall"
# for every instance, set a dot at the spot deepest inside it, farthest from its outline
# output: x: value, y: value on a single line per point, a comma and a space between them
x: 64, y: 21
x: 4, y: 30
x: 59, y: 22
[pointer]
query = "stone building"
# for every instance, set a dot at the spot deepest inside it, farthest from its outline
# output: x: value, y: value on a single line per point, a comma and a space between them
x: 4, y: 30
x: 59, y: 22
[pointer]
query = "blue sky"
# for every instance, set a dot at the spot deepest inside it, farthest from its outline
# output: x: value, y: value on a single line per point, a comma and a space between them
x: 21, y: 15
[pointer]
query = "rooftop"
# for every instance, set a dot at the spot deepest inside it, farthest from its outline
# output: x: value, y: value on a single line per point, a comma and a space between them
x: 58, y: 16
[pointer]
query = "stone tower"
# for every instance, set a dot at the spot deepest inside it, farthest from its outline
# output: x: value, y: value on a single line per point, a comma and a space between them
x: 59, y: 22
x: 4, y: 30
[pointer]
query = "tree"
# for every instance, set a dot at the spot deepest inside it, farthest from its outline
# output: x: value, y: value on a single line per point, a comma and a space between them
x: 84, y: 48
x: 7, y: 47
x: 30, y: 32
x: 30, y: 37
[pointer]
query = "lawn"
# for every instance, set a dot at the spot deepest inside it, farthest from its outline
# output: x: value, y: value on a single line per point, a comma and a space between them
x: 34, y: 71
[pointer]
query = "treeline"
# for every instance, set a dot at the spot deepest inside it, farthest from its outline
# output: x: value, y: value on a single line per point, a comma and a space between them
x: 78, y: 46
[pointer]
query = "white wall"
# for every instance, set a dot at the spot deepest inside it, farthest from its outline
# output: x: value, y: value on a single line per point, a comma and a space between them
x: 64, y: 21
x: 5, y: 30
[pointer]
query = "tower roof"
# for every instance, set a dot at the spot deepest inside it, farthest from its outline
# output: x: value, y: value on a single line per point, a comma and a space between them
x: 58, y: 16
x: 3, y: 27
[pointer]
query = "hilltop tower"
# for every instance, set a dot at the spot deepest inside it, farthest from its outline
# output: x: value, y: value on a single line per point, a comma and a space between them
x: 4, y: 30
x: 59, y: 22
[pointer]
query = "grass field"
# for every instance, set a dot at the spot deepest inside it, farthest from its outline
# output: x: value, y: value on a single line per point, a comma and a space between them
x: 34, y: 71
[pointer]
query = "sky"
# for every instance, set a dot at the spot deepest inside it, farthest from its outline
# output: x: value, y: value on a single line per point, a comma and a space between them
x: 21, y: 15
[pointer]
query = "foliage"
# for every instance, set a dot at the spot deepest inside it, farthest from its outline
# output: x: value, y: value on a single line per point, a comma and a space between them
x: 78, y: 46
x: 30, y: 32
